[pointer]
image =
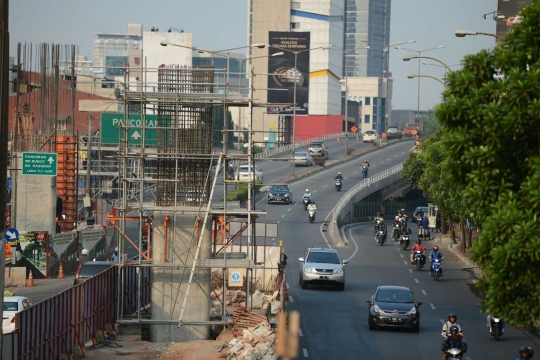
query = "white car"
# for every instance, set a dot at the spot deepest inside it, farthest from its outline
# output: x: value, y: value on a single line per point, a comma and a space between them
x: 370, y: 135
x: 302, y: 158
x: 244, y: 171
x: 13, y: 305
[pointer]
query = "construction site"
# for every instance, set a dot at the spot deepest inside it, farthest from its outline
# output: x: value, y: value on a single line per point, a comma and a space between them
x: 157, y: 194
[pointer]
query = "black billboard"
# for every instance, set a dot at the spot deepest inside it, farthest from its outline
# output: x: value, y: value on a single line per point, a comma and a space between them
x: 510, y: 10
x: 283, y: 74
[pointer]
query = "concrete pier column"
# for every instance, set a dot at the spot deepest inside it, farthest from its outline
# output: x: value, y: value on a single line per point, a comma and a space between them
x: 169, y: 284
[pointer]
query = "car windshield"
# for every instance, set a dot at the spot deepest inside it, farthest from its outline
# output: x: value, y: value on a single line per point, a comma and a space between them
x: 370, y: 132
x: 245, y: 169
x: 391, y: 130
x: 323, y: 257
x: 316, y: 146
x: 91, y: 270
x: 11, y: 306
x: 279, y: 188
x: 300, y: 154
x: 393, y: 296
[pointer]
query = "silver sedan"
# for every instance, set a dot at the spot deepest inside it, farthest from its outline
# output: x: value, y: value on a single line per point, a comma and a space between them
x: 302, y: 158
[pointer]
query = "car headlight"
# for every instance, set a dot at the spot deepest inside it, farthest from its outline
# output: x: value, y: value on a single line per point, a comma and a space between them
x: 377, y: 309
x: 412, y: 312
x: 286, y: 195
x: 309, y: 270
x: 338, y: 271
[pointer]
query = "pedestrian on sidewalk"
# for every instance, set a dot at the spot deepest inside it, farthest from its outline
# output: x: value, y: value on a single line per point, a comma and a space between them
x: 438, y: 222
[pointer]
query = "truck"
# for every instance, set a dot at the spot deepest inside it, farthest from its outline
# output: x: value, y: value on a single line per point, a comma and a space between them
x: 412, y: 128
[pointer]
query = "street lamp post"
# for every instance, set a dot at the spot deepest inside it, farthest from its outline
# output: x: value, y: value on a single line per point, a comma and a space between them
x: 441, y: 66
x: 419, y: 52
x: 412, y: 76
x: 387, y: 49
x: 463, y: 33
x: 294, y: 92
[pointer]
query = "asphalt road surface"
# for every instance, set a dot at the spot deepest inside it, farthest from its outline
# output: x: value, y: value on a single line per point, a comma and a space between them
x: 334, y: 323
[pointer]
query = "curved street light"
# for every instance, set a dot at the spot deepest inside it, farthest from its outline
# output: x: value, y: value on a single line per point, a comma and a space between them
x: 441, y: 66
x: 412, y: 76
x: 419, y: 52
x: 463, y: 33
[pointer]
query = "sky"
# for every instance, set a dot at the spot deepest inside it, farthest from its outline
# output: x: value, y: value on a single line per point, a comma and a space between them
x: 219, y: 24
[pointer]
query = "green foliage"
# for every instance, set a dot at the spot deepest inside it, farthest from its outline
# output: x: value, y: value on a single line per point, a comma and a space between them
x: 430, y: 125
x: 241, y: 193
x: 217, y: 127
x: 492, y: 133
x: 254, y: 150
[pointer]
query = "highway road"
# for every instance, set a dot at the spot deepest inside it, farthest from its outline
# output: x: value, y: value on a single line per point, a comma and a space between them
x: 334, y: 323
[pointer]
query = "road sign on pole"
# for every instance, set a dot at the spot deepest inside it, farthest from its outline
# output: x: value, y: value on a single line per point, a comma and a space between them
x: 11, y: 235
x: 39, y: 163
x: 110, y: 122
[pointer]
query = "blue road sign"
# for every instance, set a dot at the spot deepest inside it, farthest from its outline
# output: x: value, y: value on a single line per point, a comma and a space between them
x: 11, y: 235
x: 9, y: 183
x: 235, y: 277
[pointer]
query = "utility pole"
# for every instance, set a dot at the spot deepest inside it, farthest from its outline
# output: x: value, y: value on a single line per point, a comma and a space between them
x: 4, y: 102
x: 88, y: 199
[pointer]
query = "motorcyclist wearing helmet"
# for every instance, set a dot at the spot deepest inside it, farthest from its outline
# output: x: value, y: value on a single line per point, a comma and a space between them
x: 418, y: 247
x: 339, y: 176
x: 381, y: 226
x: 489, y: 317
x: 452, y: 318
x: 365, y: 166
x: 84, y: 256
x: 307, y: 195
x: 526, y: 353
x: 434, y: 255
x: 312, y: 206
x: 403, y: 215
x: 453, y: 341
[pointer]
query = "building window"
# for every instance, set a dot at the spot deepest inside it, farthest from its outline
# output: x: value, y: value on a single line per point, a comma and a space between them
x: 295, y: 25
x: 368, y: 100
x: 366, y: 119
x: 295, y: 5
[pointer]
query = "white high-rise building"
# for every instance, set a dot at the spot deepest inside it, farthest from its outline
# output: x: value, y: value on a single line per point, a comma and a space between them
x: 106, y: 42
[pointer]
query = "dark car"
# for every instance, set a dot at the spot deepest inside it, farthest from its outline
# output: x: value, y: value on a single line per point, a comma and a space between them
x: 393, y: 132
x: 280, y: 193
x: 90, y: 268
x: 393, y: 306
x: 415, y: 213
x: 318, y: 149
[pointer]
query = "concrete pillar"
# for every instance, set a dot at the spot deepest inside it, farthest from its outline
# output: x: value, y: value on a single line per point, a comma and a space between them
x: 169, y: 284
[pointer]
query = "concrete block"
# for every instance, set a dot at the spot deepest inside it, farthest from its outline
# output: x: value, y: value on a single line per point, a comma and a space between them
x: 18, y: 277
x: 108, y: 328
x: 77, y: 353
x: 99, y: 336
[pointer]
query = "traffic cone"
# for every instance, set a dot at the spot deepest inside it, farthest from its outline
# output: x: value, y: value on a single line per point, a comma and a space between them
x: 61, y: 272
x: 30, y: 282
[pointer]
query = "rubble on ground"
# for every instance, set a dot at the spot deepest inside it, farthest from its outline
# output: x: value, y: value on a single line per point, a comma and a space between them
x: 255, y: 343
x: 258, y: 300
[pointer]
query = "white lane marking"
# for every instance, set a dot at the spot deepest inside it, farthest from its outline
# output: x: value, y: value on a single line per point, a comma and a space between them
x: 346, y: 177
x: 290, y: 298
x: 296, y: 203
x: 325, y: 186
x: 388, y: 159
x: 467, y: 358
x: 416, y: 281
x: 405, y: 262
x: 287, y: 284
x: 300, y: 333
x: 355, y: 173
x: 278, y: 222
x: 410, y: 270
x: 424, y: 292
x: 382, y: 162
x: 442, y: 321
x: 283, y: 215
x: 396, y: 155
x: 305, y: 352
x: 430, y: 304
x: 401, y: 255
x: 289, y: 209
x: 396, y: 247
x: 354, y: 242
x: 314, y: 191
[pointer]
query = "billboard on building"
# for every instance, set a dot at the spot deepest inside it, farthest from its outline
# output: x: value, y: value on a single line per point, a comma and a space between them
x: 283, y: 75
x: 510, y: 10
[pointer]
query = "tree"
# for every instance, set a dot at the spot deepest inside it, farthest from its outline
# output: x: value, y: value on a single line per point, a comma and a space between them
x: 217, y: 127
x: 492, y: 133
x: 430, y: 124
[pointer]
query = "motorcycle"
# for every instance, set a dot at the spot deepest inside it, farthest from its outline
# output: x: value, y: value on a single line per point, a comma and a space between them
x: 307, y: 201
x: 404, y: 242
x: 381, y: 238
x: 311, y: 215
x: 338, y: 184
x: 453, y: 354
x: 418, y: 259
x: 497, y: 327
x: 436, y: 269
x: 397, y: 232
x: 365, y: 170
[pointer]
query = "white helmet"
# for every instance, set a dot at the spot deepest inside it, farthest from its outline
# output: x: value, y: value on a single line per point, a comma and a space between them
x: 84, y: 251
x: 397, y: 217
x: 307, y: 190
x: 116, y: 248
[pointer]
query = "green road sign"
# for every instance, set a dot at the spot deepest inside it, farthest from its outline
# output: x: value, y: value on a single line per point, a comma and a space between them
x: 39, y: 163
x: 110, y: 133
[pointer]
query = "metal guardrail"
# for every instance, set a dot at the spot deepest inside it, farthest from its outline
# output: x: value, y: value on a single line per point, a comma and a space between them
x: 361, y: 186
